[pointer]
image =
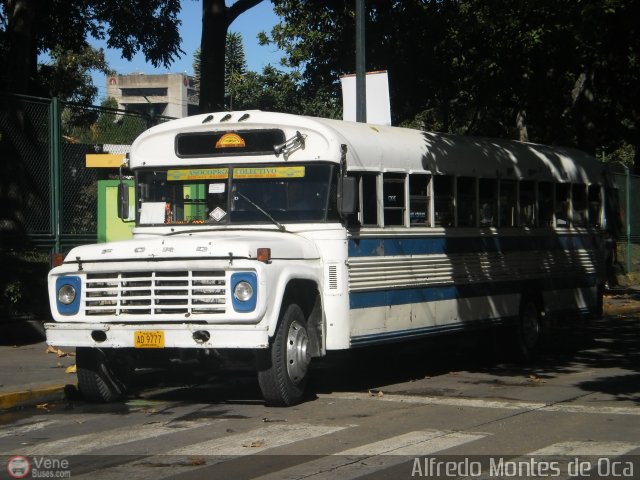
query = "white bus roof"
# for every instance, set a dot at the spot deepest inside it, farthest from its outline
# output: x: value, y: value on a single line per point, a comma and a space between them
x: 374, y: 148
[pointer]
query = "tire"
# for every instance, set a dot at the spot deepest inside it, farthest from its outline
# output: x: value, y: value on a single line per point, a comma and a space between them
x: 101, y: 380
x: 528, y: 330
x: 282, y: 368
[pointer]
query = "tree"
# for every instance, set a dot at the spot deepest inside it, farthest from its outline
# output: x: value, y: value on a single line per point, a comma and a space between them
x: 559, y: 74
x: 33, y: 27
x: 216, y: 18
x: 68, y: 77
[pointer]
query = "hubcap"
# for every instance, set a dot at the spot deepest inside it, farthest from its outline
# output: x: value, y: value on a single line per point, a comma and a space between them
x: 530, y: 326
x: 297, y: 356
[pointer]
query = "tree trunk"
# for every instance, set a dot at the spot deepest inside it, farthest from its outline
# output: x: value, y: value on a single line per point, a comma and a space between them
x: 212, y: 46
x: 21, y: 62
x: 216, y: 18
x: 521, y: 124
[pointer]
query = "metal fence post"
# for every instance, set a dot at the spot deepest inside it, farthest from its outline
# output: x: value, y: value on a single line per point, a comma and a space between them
x: 56, y: 177
x: 628, y: 216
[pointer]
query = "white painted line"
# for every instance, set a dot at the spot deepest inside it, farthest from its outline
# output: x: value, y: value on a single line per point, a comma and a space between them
x: 485, y: 403
x: 28, y: 428
x: 580, y: 449
x: 95, y: 443
x: 212, y: 452
x: 255, y: 441
x: 373, y: 457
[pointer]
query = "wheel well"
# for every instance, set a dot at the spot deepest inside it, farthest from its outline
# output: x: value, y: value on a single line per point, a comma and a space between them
x: 305, y: 294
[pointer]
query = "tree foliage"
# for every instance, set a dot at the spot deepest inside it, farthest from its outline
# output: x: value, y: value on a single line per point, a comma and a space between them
x: 557, y: 73
x: 62, y: 28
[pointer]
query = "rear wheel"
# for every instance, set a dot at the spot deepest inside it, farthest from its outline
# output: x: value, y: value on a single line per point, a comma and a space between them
x: 100, y: 378
x: 282, y: 368
x: 528, y: 331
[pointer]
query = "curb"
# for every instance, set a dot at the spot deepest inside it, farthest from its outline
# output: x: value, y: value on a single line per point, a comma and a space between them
x: 32, y: 396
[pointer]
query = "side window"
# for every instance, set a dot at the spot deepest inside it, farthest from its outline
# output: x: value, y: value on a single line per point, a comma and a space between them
x: 443, y: 196
x: 580, y: 204
x: 466, y: 201
x: 545, y: 203
x: 488, y: 198
x: 419, y: 199
x: 595, y: 205
x: 527, y: 203
x: 393, y: 198
x: 562, y: 204
x: 508, y: 203
x: 369, y: 199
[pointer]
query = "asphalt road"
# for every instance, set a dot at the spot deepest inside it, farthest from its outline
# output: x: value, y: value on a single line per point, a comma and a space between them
x: 446, y: 408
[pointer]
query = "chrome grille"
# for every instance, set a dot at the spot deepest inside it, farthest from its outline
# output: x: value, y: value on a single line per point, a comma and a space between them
x: 155, y: 293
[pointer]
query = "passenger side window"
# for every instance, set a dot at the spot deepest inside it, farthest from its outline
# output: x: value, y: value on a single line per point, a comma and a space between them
x: 419, y: 199
x: 508, y: 203
x: 545, y: 203
x: 444, y: 196
x: 527, y: 203
x: 562, y: 204
x: 595, y: 205
x: 580, y: 205
x: 488, y: 198
x: 369, y: 199
x: 466, y: 201
x: 393, y: 198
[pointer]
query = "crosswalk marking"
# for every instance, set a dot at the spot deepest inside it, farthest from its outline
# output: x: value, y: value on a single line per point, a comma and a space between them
x: 366, y: 459
x: 485, y: 403
x: 28, y: 428
x: 215, y: 451
x: 79, y: 444
x: 585, y: 449
x: 257, y: 440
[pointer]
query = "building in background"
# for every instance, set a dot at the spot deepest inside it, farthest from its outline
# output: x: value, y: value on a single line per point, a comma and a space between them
x: 168, y: 94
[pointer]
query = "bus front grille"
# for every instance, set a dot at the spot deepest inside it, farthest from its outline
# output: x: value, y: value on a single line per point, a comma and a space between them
x: 154, y: 293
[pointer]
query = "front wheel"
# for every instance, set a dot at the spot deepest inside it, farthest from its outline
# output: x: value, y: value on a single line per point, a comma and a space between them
x: 282, y: 368
x: 101, y: 379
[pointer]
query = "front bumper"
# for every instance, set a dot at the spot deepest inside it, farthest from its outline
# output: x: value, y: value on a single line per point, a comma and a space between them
x: 175, y: 335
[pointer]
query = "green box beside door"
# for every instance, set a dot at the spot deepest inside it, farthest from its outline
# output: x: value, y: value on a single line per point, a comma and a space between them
x: 110, y: 227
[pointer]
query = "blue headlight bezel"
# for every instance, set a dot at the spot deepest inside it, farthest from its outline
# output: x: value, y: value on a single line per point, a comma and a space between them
x: 251, y: 279
x: 73, y: 307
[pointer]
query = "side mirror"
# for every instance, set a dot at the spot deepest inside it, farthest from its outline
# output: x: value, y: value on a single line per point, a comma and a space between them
x: 123, y: 201
x: 347, y: 196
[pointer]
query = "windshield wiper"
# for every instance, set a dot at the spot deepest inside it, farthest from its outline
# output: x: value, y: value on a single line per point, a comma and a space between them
x: 261, y: 210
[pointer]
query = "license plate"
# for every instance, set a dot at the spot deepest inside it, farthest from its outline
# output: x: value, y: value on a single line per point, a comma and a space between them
x: 148, y: 339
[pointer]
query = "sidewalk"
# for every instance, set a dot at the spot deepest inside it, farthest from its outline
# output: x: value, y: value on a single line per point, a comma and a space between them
x: 28, y: 374
x: 31, y: 374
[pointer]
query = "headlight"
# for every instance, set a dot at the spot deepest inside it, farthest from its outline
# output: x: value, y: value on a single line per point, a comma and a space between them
x: 243, y: 291
x: 66, y: 294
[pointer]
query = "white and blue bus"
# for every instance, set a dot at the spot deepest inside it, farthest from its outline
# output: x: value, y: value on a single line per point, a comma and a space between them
x: 290, y: 236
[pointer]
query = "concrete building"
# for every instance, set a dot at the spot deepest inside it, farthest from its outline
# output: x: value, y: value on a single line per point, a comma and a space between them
x: 168, y: 94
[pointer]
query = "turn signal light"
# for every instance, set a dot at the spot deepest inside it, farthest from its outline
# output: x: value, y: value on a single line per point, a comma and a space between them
x: 57, y: 259
x: 264, y: 255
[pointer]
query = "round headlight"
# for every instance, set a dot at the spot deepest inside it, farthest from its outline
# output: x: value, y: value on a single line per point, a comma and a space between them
x: 66, y: 294
x: 243, y: 291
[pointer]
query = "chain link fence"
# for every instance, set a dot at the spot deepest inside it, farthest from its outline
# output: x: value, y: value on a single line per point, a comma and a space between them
x: 628, y: 244
x: 48, y: 195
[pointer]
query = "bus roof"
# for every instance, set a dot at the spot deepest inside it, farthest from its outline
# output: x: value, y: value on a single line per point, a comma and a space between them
x: 374, y: 148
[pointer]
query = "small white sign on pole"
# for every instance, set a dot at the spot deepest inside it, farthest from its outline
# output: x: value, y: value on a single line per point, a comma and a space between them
x: 378, y: 104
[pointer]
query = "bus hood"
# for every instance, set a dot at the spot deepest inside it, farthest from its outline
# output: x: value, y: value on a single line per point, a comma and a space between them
x: 198, y: 245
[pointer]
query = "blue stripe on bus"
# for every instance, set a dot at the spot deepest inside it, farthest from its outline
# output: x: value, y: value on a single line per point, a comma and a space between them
x: 404, y: 296
x: 367, y: 247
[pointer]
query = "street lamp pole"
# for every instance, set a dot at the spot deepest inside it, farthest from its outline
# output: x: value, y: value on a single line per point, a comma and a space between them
x: 361, y: 79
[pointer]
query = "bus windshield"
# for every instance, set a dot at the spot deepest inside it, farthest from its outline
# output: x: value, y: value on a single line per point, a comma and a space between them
x: 237, y: 195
